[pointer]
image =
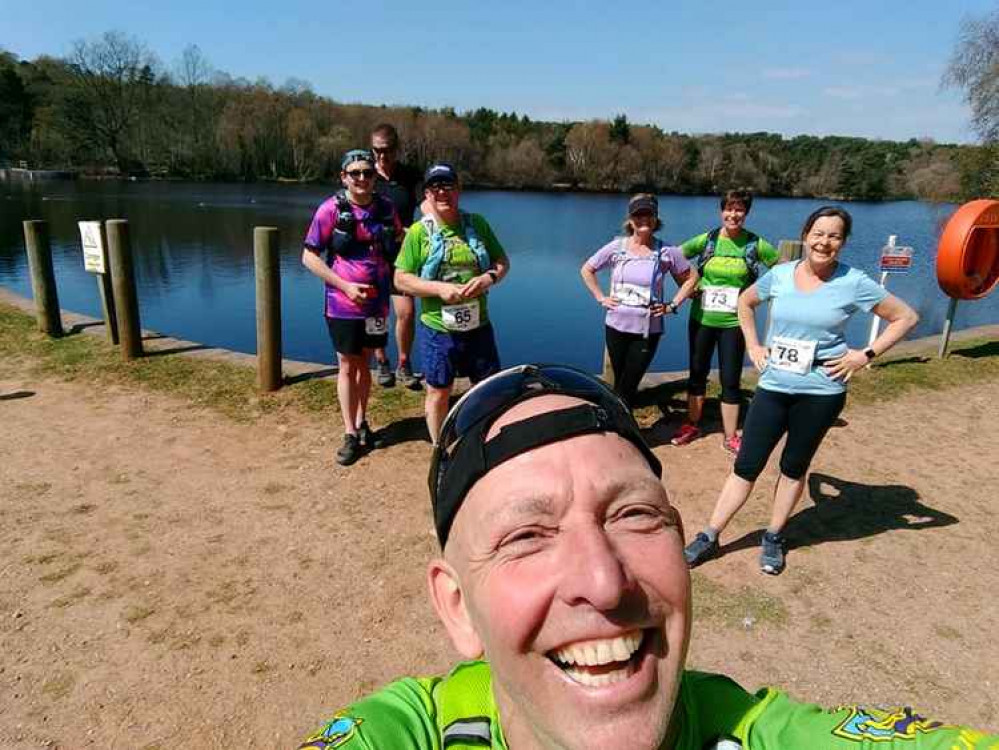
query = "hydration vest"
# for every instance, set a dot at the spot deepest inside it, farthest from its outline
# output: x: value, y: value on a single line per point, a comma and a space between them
x: 750, y: 252
x: 431, y: 269
x: 381, y: 226
x: 620, y: 255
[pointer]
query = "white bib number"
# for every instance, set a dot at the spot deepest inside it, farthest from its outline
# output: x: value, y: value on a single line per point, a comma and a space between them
x: 461, y: 317
x: 632, y: 295
x: 375, y: 326
x: 720, y: 299
x: 792, y: 355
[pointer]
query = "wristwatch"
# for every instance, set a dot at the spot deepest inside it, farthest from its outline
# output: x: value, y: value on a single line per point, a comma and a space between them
x: 672, y: 306
x: 870, y: 353
x: 493, y: 274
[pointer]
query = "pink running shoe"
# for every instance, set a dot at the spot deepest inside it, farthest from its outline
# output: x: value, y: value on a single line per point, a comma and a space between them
x: 686, y: 434
x: 732, y: 444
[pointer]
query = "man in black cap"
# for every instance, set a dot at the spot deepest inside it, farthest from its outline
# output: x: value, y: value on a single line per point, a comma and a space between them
x: 562, y: 582
x: 450, y: 259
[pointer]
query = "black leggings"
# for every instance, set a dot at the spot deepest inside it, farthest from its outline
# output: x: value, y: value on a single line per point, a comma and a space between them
x: 804, y: 417
x: 630, y: 355
x: 731, y: 353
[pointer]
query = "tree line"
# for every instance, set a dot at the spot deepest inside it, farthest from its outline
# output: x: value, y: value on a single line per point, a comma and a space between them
x: 112, y: 107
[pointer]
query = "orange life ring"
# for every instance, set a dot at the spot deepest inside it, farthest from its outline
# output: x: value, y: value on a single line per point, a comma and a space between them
x: 968, y: 253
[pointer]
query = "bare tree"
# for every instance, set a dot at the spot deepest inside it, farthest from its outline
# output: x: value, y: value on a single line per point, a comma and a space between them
x: 110, y: 74
x: 974, y: 67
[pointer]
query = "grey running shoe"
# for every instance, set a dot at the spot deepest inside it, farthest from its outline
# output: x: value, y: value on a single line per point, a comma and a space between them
x: 350, y: 451
x: 772, y: 553
x: 700, y: 550
x: 386, y: 378
x: 404, y: 374
x: 369, y: 438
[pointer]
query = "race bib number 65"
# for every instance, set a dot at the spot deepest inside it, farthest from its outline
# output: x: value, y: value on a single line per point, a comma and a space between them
x: 461, y: 317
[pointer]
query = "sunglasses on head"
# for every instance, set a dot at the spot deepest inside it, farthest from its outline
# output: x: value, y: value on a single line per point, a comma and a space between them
x: 462, y: 454
x: 357, y: 174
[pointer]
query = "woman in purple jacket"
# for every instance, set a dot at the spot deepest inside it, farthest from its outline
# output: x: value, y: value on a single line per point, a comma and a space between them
x: 635, y: 304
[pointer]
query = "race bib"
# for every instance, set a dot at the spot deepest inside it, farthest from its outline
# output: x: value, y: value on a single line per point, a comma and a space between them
x: 792, y: 355
x: 632, y: 295
x: 720, y: 299
x: 375, y: 326
x: 461, y: 317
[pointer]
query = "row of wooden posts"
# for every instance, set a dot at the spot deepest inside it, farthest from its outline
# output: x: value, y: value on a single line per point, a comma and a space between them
x: 120, y: 302
x: 120, y: 305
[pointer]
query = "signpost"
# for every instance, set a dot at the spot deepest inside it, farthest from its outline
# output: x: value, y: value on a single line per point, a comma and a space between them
x: 894, y: 259
x: 95, y: 256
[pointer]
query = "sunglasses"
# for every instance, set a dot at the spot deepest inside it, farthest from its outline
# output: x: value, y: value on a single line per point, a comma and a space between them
x: 462, y: 454
x: 357, y: 174
x: 441, y: 187
x: 383, y: 150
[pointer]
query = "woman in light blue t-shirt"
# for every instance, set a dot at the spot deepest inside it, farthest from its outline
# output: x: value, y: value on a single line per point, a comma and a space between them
x: 805, y: 365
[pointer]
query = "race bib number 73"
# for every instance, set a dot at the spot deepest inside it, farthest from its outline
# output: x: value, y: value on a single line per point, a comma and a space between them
x: 722, y: 299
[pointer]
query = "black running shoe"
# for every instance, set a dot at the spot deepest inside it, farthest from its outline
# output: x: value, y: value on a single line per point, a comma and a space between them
x: 350, y: 451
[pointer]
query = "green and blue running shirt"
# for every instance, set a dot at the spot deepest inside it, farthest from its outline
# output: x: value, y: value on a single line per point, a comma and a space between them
x: 458, y: 712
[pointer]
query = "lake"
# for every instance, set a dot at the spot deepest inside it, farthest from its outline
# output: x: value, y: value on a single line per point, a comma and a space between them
x: 193, y: 246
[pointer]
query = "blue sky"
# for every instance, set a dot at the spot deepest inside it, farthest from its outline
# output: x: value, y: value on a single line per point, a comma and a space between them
x: 847, y: 67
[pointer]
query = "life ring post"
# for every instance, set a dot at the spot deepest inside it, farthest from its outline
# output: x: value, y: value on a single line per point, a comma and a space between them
x: 948, y: 324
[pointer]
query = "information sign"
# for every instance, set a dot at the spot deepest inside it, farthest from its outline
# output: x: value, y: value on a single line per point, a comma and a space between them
x: 94, y: 254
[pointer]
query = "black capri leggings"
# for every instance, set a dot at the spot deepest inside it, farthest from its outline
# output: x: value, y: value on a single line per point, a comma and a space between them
x: 804, y: 417
x: 731, y: 353
x: 630, y: 355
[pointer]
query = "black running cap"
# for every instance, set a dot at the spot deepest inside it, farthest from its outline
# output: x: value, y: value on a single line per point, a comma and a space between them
x: 474, y: 457
x: 643, y: 204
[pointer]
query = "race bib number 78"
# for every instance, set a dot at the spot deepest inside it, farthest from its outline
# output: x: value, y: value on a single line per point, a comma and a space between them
x: 792, y: 355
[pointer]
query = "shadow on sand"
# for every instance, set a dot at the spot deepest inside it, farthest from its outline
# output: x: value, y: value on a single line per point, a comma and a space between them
x: 845, y: 511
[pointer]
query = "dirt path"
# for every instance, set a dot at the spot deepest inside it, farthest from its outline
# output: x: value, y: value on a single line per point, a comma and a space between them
x: 171, y: 579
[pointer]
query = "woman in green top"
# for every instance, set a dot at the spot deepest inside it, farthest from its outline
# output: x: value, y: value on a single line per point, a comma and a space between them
x: 730, y: 258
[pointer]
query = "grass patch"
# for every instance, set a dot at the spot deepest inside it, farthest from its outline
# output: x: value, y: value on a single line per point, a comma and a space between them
x: 223, y: 386
x: 745, y: 607
x: 58, y: 575
x: 58, y: 685
x: 137, y: 613
x: 231, y: 389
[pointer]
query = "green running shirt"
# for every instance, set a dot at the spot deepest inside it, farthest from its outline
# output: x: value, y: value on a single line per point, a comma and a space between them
x: 458, y: 712
x: 727, y: 268
x: 458, y: 267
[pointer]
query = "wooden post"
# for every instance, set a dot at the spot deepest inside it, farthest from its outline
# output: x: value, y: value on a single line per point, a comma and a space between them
x: 948, y: 324
x: 787, y: 250
x: 126, y: 300
x: 268, y: 273
x: 107, y: 307
x: 43, y: 285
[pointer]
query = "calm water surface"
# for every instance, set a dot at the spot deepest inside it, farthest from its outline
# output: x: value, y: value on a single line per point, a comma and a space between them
x: 194, y: 260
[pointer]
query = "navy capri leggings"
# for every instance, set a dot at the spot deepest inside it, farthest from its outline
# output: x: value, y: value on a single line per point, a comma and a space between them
x: 804, y: 417
x: 731, y: 353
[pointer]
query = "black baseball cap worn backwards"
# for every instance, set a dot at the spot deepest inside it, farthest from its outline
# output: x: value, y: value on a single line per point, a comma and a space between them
x: 463, y: 455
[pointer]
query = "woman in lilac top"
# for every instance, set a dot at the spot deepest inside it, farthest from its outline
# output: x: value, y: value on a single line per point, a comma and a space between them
x: 638, y: 261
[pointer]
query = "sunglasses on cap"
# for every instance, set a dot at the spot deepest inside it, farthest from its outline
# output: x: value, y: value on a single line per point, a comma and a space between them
x: 462, y: 455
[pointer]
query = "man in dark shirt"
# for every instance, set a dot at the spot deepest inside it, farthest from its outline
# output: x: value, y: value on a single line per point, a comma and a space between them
x: 398, y: 182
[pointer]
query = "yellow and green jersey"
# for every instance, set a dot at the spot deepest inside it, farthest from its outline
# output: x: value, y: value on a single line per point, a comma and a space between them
x: 726, y: 270
x: 458, y: 712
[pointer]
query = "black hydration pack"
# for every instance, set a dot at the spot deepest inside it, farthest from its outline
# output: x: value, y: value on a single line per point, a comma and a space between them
x: 751, y: 253
x: 345, y: 230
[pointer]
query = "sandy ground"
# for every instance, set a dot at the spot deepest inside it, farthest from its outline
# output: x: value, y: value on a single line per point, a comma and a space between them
x: 172, y: 579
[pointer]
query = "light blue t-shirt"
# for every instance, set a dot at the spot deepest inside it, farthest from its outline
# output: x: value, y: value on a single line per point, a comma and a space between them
x: 818, y: 316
